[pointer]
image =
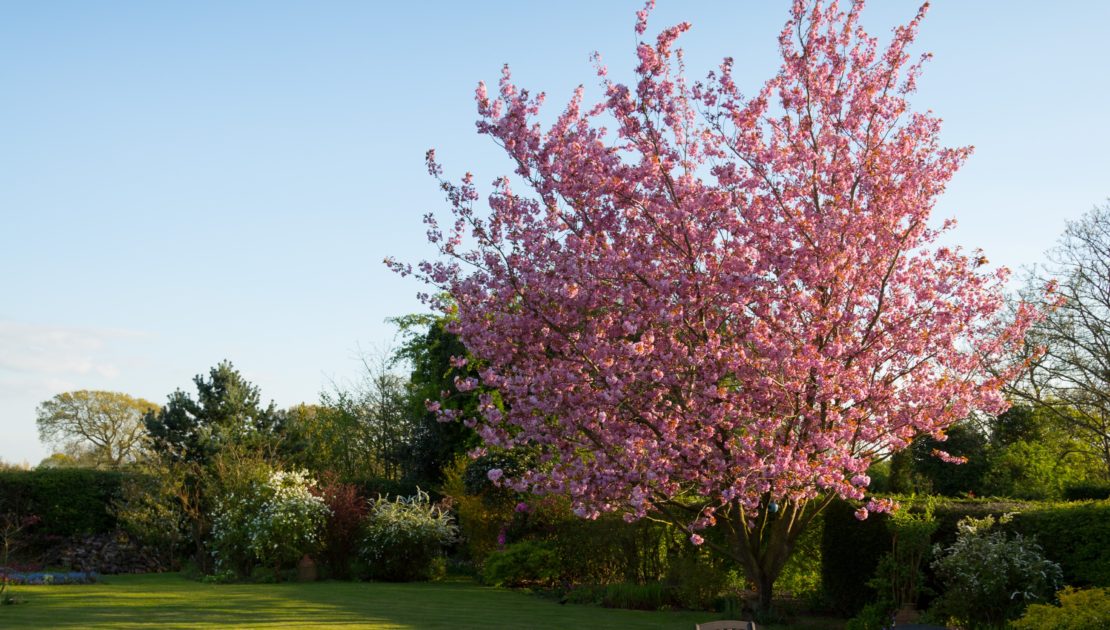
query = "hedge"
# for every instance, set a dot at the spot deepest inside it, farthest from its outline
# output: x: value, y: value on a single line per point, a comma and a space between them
x: 1076, y: 535
x: 68, y: 501
x: 850, y: 552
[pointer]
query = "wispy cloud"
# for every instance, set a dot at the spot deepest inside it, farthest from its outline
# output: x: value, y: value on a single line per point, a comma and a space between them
x: 39, y: 361
x: 52, y: 356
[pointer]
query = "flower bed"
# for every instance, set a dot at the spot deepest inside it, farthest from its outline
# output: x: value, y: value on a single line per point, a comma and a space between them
x: 39, y: 578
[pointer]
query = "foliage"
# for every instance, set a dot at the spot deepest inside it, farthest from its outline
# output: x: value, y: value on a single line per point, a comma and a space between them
x: 227, y: 411
x: 756, y: 289
x: 1085, y: 609
x: 238, y: 498
x: 403, y: 539
x: 146, y: 510
x: 874, y: 616
x: 1033, y: 470
x: 204, y: 443
x: 481, y: 522
x: 347, y: 509
x: 289, y: 522
x: 608, y: 549
x: 899, y: 579
x: 698, y: 578
x: 941, y: 477
x: 435, y: 356
x: 13, y: 534
x: 528, y: 563
x: 67, y: 501
x: 801, y: 577
x: 989, y: 577
x: 1033, y: 455
x: 103, y: 427
x: 273, y: 518
x: 359, y: 429
x: 49, y: 578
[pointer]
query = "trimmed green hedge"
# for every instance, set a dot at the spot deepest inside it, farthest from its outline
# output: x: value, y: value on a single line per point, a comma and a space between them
x: 1093, y: 490
x: 1076, y: 535
x: 850, y: 552
x: 69, y: 501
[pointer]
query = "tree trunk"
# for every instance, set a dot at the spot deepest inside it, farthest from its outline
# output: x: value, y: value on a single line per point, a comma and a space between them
x: 765, y: 593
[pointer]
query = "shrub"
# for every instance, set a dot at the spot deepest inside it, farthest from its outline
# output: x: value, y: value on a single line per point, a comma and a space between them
x: 989, y: 577
x: 874, y: 616
x: 898, y: 578
x: 650, y: 596
x: 698, y: 578
x: 480, y: 521
x: 290, y: 520
x: 273, y: 520
x: 1087, y: 609
x: 147, y: 512
x: 236, y: 503
x: 610, y: 550
x: 529, y: 563
x: 403, y: 538
x: 347, y: 509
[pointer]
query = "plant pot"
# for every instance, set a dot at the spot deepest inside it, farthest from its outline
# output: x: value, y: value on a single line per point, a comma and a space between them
x: 306, y: 569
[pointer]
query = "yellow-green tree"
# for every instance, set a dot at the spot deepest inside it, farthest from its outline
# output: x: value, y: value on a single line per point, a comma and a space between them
x: 103, y: 428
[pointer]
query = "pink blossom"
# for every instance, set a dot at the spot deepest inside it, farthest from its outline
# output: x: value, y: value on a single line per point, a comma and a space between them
x: 946, y: 457
x: 727, y: 293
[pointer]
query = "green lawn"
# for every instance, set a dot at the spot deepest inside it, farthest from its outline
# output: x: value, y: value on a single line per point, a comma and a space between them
x: 170, y: 601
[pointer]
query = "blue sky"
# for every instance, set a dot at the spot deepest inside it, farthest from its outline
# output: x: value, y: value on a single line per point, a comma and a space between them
x: 184, y: 182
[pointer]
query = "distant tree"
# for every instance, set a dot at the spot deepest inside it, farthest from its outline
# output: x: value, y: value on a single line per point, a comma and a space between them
x: 962, y: 440
x: 358, y: 429
x: 1016, y: 424
x: 1033, y: 456
x: 61, y: 460
x: 103, y: 428
x: 226, y: 411
x: 428, y: 349
x: 1071, y: 380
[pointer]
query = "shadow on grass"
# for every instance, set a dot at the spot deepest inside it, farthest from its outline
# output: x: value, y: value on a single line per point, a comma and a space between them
x: 169, y: 601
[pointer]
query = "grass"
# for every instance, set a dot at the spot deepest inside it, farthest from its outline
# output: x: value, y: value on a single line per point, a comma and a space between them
x: 171, y: 601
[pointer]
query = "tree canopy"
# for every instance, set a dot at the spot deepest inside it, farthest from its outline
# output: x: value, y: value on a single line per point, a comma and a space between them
x: 104, y: 428
x: 725, y: 308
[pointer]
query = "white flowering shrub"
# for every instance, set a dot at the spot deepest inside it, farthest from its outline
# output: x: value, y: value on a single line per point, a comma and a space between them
x: 403, y: 539
x: 275, y: 522
x: 989, y: 577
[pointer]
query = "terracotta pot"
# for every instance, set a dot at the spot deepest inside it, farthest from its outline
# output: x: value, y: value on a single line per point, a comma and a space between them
x: 306, y: 569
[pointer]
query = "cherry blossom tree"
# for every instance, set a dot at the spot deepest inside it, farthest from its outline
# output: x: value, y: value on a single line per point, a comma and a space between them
x: 721, y: 310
